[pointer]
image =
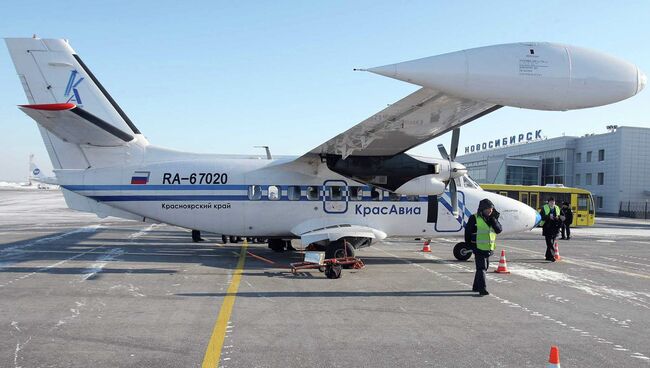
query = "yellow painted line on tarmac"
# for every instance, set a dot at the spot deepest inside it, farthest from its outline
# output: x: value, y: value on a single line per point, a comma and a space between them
x: 213, y: 351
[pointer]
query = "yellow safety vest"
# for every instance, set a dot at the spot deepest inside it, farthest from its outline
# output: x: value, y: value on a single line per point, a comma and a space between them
x: 547, y: 210
x: 485, y: 235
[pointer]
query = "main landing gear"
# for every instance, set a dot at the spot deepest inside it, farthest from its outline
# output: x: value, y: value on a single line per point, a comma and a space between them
x: 462, y: 251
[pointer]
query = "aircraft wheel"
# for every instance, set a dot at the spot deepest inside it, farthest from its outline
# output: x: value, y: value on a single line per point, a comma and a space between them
x: 338, y: 249
x: 233, y: 239
x: 333, y: 271
x: 224, y: 239
x: 462, y: 252
x: 276, y: 245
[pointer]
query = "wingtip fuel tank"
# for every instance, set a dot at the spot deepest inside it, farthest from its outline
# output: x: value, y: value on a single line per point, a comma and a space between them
x: 532, y: 75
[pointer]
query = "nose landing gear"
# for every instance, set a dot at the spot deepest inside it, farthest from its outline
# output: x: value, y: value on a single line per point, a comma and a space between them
x: 462, y: 251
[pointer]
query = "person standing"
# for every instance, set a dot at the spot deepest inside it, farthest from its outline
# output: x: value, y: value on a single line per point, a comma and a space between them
x: 568, y: 219
x: 551, y: 223
x: 481, y: 234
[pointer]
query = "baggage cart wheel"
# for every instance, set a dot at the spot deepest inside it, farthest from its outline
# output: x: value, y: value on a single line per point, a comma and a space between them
x: 333, y: 271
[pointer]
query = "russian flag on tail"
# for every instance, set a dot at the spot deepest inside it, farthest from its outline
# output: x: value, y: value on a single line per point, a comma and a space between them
x: 140, y: 177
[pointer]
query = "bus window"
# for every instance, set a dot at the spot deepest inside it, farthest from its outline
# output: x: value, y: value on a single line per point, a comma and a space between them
x: 523, y: 197
x: 505, y: 194
x: 533, y: 200
x: 582, y: 202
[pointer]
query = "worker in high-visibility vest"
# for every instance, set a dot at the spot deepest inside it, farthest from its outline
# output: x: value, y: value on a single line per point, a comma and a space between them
x: 551, y: 223
x: 481, y: 233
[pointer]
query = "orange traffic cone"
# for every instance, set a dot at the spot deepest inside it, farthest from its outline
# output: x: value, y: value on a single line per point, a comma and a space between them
x: 554, y: 358
x: 426, y: 247
x: 556, y: 250
x: 503, y: 265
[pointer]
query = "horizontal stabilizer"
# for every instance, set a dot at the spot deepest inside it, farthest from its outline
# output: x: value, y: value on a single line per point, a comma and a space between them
x: 73, y: 124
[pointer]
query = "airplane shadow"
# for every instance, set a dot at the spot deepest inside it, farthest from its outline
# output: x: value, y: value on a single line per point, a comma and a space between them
x: 335, y: 294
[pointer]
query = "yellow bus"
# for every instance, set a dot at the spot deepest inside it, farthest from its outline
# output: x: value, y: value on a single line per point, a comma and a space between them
x: 581, y: 201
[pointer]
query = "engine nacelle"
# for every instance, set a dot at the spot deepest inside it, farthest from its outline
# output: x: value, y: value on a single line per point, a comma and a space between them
x: 422, y: 185
x: 541, y: 76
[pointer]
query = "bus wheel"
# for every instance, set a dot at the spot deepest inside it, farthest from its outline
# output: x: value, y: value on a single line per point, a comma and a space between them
x: 462, y: 252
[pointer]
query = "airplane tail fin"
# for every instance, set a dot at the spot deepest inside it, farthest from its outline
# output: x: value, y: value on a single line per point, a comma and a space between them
x: 53, y: 74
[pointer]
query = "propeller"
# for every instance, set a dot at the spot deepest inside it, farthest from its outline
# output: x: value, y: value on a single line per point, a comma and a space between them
x: 451, y: 183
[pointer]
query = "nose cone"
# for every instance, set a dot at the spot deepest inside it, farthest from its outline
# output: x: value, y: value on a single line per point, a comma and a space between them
x: 531, y: 217
x: 642, y: 80
x: 458, y: 170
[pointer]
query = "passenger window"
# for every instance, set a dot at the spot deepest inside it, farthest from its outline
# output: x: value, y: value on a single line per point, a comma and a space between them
x: 375, y: 194
x: 356, y: 193
x: 313, y: 193
x: 293, y: 193
x: 274, y: 193
x: 254, y: 192
x: 394, y: 197
x: 336, y: 193
x: 413, y: 198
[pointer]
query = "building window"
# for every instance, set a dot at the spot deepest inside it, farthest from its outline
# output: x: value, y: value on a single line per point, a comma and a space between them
x: 313, y: 193
x: 577, y: 179
x: 601, y: 178
x: 274, y: 193
x: 579, y: 157
x: 521, y: 175
x: 553, y: 170
x: 254, y: 192
x: 589, y: 156
x: 601, y: 155
x: 599, y: 202
x: 293, y: 193
x: 588, y: 179
x: 355, y: 193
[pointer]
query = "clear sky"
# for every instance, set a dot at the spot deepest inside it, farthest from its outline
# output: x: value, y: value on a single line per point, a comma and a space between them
x: 217, y: 76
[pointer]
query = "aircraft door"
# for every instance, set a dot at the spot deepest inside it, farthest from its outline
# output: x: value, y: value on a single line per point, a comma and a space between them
x: 335, y: 199
x: 447, y: 222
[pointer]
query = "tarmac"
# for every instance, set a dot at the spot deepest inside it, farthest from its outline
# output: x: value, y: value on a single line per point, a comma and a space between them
x: 78, y: 291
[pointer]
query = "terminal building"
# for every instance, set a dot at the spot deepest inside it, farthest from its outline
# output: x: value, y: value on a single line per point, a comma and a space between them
x: 614, y: 166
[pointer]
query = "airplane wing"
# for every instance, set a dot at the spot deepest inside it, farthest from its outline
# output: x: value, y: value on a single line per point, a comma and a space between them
x: 417, y: 118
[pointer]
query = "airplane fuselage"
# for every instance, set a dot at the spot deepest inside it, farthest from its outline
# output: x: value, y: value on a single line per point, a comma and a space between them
x: 269, y: 198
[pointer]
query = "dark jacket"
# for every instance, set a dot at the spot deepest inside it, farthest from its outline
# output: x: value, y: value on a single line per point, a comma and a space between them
x: 551, y: 227
x: 470, y: 228
x: 566, y: 212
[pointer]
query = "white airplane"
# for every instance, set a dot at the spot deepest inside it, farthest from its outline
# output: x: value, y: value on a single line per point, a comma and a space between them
x: 358, y: 187
x: 36, y: 174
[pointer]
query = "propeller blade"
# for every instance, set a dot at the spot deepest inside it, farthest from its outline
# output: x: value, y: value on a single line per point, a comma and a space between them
x: 443, y: 152
x: 455, y: 135
x: 454, y: 196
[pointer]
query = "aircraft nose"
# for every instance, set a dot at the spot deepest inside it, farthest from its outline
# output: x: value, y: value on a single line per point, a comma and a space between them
x: 642, y: 80
x: 538, y: 218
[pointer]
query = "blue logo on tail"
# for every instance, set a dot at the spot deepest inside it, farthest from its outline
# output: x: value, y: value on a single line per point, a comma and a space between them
x: 71, y: 89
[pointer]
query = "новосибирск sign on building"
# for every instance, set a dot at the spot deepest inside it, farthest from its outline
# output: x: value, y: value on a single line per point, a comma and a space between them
x: 505, y: 141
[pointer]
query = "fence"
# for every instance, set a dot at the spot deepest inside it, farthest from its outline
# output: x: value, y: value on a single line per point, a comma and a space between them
x: 633, y: 209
